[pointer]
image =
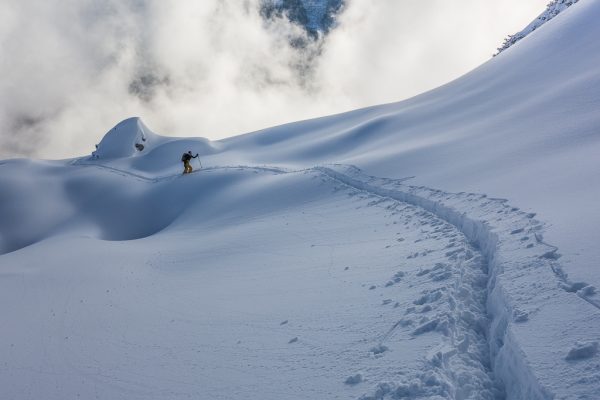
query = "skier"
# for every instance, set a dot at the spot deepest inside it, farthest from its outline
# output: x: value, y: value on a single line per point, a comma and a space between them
x: 186, y: 158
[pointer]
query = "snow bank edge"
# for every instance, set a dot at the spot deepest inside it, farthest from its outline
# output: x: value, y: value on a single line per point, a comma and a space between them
x: 513, y: 351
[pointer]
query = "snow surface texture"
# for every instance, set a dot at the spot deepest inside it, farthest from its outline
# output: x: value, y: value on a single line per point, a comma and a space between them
x: 288, y: 267
x: 554, y: 8
x: 299, y: 278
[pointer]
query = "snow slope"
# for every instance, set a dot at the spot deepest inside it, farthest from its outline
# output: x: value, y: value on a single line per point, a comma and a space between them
x: 524, y: 126
x: 287, y: 289
x: 440, y: 247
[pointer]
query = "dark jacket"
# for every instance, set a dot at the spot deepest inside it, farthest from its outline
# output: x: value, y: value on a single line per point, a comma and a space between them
x: 187, y: 157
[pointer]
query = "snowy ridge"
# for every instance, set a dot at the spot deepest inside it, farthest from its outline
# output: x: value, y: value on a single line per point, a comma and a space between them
x: 554, y: 8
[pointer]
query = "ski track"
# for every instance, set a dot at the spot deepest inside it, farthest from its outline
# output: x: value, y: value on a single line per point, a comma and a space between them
x: 367, y: 186
x: 175, y: 176
x: 501, y: 359
x: 552, y: 254
x: 518, y: 260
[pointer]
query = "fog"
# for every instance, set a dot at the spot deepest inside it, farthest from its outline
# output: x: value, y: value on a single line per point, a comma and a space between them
x: 71, y: 69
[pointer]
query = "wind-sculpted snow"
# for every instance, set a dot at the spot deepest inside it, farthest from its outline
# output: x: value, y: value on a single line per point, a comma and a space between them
x: 42, y: 200
x: 129, y: 138
x: 537, y: 343
x: 284, y: 284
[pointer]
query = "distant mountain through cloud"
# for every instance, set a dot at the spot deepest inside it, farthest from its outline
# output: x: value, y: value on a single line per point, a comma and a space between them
x: 317, y: 17
x: 306, y: 26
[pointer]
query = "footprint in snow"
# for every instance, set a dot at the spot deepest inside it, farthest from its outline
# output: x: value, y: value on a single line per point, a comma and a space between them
x: 426, y: 327
x: 398, y: 276
x: 354, y: 379
x: 379, y: 349
x: 425, y: 309
x: 574, y: 287
x: 440, y: 272
x: 587, y: 291
x: 520, y: 316
x: 582, y: 351
x: 428, y: 298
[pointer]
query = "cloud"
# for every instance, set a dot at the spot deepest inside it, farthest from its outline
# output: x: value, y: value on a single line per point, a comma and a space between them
x: 73, y: 68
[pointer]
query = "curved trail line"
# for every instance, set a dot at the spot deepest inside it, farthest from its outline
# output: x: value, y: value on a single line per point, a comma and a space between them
x: 458, y: 367
x: 409, y: 194
x: 527, y: 288
x: 163, y: 178
x: 525, y: 283
x: 372, y: 184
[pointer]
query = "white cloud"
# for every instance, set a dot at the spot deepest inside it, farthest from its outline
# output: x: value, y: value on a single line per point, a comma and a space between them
x: 73, y: 68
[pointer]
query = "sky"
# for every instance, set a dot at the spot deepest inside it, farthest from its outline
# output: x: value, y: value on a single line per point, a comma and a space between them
x: 72, y: 69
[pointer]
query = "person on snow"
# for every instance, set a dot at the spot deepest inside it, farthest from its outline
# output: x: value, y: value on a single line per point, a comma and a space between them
x: 186, y: 158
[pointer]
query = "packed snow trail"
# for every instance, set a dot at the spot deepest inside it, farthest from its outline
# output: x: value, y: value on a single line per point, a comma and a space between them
x: 581, y: 288
x: 530, y: 298
x: 317, y: 290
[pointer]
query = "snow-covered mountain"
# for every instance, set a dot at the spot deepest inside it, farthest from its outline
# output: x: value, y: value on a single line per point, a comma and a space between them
x: 441, y: 247
x: 316, y: 16
x: 321, y: 13
x: 553, y: 8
